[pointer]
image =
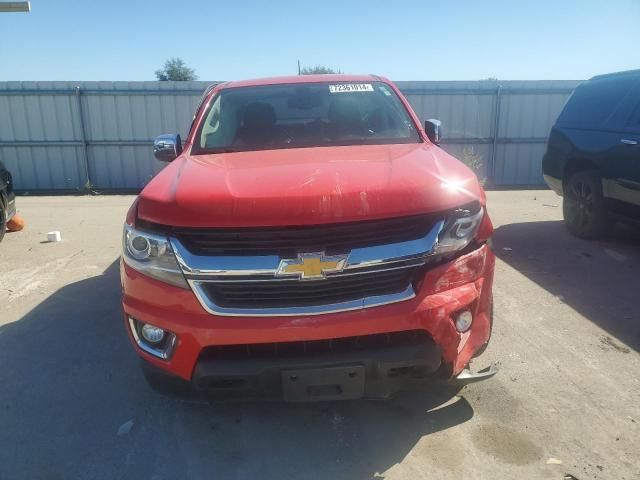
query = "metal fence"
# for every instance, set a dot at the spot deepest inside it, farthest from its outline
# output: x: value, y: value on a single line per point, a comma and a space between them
x: 83, y: 136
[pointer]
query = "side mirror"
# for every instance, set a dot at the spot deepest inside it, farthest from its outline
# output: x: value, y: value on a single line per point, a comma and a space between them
x: 433, y: 129
x: 167, y: 147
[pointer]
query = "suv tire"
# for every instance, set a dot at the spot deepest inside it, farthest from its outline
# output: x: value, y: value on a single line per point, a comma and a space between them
x: 583, y: 207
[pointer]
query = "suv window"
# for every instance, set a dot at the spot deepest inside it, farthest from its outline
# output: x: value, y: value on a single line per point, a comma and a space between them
x: 304, y: 115
x: 594, y: 103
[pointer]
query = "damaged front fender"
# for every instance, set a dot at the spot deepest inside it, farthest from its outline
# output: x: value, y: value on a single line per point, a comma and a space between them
x: 463, y: 284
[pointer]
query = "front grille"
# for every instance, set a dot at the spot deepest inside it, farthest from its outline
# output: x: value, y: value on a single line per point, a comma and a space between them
x: 289, y: 241
x: 316, y: 347
x: 246, y: 282
x: 295, y: 293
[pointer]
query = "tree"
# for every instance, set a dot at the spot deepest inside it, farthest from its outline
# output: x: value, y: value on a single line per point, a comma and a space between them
x: 317, y: 69
x: 175, y: 70
x: 474, y: 161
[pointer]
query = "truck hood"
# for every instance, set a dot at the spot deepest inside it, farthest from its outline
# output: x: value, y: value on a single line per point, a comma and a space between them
x: 303, y: 186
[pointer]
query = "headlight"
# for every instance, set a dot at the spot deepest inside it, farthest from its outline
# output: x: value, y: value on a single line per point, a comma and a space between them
x: 151, y: 254
x: 459, y: 230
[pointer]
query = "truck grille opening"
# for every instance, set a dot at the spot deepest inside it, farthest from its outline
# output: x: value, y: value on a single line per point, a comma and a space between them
x: 288, y: 241
x: 316, y: 347
x: 295, y: 293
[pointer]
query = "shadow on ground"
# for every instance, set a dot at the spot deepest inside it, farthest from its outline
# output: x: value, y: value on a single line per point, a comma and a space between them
x: 599, y: 279
x: 73, y: 404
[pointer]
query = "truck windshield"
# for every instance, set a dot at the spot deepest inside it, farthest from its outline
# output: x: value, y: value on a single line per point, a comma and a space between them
x: 304, y: 115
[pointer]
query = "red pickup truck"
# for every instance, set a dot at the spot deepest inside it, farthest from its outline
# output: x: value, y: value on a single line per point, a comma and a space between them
x: 308, y: 241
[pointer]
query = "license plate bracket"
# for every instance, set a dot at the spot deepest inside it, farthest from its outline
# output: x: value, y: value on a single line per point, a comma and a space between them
x: 328, y: 383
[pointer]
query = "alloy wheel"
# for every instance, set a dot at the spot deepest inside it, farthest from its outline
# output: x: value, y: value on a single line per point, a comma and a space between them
x: 579, y: 198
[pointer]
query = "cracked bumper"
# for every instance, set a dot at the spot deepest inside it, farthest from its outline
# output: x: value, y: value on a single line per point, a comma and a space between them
x: 464, y: 283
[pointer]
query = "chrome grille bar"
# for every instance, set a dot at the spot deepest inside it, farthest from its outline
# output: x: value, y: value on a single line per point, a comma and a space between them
x: 414, y: 251
x: 359, y: 304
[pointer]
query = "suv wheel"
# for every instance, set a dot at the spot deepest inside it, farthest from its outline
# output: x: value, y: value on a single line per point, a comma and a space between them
x: 583, y: 206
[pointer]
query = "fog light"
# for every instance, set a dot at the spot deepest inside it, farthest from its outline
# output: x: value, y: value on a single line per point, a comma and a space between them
x: 152, y: 334
x: 153, y: 340
x: 463, y: 321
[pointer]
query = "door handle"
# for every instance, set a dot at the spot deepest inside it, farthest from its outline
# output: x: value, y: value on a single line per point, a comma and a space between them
x: 627, y: 141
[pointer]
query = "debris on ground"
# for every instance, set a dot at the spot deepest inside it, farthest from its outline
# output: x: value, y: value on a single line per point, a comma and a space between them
x: 507, y: 249
x: 16, y: 224
x: 125, y: 428
x: 608, y: 343
x: 550, y: 205
x: 54, y: 236
x: 554, y: 461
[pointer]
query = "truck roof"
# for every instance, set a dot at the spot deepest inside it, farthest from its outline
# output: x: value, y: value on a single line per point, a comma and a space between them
x: 303, y: 79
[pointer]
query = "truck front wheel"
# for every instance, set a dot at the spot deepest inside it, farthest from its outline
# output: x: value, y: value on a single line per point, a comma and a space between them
x: 3, y: 220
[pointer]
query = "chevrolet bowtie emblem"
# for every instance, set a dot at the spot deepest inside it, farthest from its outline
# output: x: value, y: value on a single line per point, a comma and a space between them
x: 311, y: 266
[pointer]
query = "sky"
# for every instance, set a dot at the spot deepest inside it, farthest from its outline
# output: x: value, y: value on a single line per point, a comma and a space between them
x: 400, y: 39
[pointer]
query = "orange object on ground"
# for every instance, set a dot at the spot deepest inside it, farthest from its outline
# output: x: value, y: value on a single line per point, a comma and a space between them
x: 15, y: 224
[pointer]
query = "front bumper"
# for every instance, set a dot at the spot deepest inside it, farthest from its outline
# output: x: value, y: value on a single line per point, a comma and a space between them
x: 464, y: 283
x: 374, y: 372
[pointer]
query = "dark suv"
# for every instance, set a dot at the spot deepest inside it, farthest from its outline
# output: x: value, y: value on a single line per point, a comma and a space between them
x: 593, y: 156
x: 7, y: 199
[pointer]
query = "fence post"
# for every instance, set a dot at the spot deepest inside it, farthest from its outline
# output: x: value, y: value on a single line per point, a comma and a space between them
x: 83, y: 138
x: 491, y: 173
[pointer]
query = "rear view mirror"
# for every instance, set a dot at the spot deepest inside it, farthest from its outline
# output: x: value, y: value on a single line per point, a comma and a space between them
x: 167, y: 147
x: 433, y: 129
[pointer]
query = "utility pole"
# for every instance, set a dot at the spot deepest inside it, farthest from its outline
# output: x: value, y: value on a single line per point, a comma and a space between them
x: 299, y: 73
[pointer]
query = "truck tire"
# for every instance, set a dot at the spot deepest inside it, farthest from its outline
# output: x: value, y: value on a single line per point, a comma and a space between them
x: 3, y: 219
x: 583, y: 207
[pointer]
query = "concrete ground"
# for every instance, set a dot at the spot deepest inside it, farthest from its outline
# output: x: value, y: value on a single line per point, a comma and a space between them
x: 74, y: 405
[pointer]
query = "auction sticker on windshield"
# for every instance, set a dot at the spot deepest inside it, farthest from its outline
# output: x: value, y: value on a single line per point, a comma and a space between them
x: 351, y: 87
